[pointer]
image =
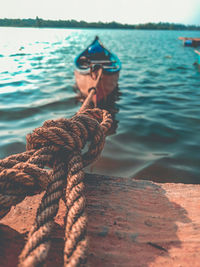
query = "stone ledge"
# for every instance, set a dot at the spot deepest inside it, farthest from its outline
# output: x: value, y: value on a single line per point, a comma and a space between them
x: 132, y: 223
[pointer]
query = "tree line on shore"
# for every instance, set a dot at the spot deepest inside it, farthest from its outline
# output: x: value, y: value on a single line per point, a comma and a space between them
x: 41, y: 23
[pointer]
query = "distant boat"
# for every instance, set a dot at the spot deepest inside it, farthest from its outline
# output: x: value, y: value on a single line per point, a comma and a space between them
x: 97, y: 66
x: 198, y: 57
x: 187, y: 41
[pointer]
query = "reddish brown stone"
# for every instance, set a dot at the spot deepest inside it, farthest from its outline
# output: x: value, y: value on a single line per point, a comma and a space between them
x: 131, y: 223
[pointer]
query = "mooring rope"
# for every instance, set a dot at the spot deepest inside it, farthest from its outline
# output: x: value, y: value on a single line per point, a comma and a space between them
x: 56, y: 145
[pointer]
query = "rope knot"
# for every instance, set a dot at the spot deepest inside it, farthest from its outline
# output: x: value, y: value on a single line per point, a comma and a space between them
x: 67, y: 135
x: 56, y: 145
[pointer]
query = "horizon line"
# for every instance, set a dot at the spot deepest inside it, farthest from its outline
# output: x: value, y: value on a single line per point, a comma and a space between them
x: 107, y: 22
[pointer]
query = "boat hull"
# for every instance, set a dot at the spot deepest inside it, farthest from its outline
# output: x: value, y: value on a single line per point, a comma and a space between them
x: 198, y: 58
x: 105, y: 86
x: 96, y: 67
x: 193, y: 42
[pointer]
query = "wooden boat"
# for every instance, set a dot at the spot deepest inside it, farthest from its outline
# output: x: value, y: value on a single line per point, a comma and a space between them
x: 190, y: 41
x: 98, y: 68
x: 198, y: 58
x: 198, y: 54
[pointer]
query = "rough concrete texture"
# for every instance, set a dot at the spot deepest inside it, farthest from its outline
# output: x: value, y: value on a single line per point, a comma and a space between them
x: 132, y: 223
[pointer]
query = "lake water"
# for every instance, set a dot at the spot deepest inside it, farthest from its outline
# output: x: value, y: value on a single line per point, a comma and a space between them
x: 157, y: 117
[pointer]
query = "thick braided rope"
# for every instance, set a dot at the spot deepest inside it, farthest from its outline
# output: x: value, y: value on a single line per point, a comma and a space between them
x: 76, y: 219
x: 23, y: 174
x: 38, y: 244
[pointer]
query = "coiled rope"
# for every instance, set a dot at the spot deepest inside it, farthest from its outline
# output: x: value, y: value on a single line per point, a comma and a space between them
x: 53, y: 162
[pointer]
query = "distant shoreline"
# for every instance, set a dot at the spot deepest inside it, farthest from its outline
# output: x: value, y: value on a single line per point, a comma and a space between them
x: 65, y: 24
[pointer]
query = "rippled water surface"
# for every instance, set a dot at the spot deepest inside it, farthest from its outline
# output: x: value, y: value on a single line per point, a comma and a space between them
x: 157, y: 117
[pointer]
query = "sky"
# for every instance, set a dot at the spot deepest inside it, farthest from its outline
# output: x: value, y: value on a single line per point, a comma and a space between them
x: 123, y: 11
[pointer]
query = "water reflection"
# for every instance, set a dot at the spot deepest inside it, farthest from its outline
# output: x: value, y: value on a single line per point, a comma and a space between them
x: 197, y: 66
x: 108, y: 104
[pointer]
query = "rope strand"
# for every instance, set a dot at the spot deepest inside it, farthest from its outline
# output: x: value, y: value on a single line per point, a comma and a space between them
x: 56, y: 145
x: 76, y: 220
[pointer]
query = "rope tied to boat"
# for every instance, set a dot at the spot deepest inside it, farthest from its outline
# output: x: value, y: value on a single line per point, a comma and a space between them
x: 53, y: 162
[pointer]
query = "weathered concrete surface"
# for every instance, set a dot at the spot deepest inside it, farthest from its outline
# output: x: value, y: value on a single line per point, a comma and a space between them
x: 131, y: 224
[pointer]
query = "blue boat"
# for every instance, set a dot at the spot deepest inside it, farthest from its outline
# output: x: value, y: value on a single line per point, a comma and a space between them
x: 97, y: 67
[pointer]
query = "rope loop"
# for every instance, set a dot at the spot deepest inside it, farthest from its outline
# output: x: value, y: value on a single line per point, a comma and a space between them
x: 53, y: 162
